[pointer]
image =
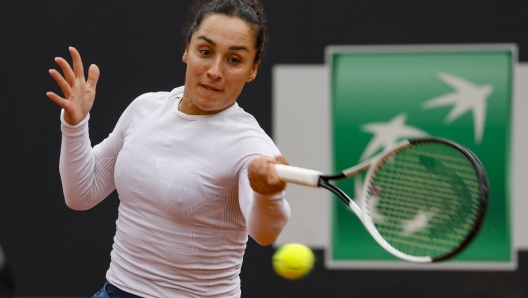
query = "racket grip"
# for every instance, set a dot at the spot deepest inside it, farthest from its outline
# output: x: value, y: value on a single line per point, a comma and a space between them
x: 298, y: 175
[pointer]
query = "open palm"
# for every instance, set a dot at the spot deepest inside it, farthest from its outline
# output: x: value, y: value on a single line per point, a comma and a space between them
x: 79, y: 93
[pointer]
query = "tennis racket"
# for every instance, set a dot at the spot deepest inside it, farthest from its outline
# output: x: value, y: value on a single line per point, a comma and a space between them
x: 422, y: 200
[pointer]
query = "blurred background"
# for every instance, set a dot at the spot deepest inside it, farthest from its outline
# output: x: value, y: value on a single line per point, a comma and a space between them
x: 51, y: 251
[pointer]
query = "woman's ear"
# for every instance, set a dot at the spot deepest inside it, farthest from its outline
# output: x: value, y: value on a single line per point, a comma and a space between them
x: 184, y: 58
x: 253, y: 74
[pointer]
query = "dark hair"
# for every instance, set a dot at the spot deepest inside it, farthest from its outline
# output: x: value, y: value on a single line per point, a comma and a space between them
x: 250, y: 11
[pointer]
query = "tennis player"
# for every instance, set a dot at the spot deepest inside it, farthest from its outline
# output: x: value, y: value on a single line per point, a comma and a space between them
x: 193, y: 171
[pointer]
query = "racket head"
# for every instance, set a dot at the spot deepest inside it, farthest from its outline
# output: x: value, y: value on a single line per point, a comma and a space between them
x: 425, y: 201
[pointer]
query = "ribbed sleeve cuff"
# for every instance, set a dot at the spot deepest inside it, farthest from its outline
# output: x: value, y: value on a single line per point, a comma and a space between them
x: 271, y: 199
x: 74, y: 130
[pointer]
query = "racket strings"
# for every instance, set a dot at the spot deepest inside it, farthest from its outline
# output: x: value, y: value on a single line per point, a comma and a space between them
x: 429, y: 199
x: 462, y: 171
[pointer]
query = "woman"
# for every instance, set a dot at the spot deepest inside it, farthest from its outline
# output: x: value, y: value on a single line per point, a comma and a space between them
x: 193, y: 171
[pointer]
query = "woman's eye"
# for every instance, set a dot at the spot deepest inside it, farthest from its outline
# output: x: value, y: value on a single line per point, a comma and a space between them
x: 205, y: 52
x: 233, y: 60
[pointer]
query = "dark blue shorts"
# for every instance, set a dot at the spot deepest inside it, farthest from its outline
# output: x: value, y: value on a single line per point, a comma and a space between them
x: 110, y: 291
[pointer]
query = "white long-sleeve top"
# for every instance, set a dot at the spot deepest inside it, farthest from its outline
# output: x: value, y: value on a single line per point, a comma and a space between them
x: 186, y: 205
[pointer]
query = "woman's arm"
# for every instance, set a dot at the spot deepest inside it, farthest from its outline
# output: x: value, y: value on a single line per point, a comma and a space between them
x: 262, y: 199
x: 87, y: 173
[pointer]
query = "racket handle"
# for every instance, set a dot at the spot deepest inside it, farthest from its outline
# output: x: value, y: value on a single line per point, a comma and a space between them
x: 298, y: 175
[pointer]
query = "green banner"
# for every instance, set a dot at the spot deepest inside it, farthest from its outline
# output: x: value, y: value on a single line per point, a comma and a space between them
x: 381, y: 95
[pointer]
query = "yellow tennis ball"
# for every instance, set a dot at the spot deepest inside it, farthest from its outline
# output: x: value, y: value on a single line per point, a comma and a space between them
x: 293, y: 261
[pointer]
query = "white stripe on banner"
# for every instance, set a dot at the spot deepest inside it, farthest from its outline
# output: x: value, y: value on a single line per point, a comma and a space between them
x: 519, y: 157
x: 301, y: 129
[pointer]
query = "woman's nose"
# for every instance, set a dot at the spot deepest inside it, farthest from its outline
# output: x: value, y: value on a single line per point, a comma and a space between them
x: 215, y: 70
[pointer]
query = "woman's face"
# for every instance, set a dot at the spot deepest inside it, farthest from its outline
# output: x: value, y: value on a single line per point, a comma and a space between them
x: 220, y: 60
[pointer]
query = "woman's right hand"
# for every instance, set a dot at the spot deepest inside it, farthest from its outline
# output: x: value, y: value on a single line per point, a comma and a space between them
x: 79, y: 94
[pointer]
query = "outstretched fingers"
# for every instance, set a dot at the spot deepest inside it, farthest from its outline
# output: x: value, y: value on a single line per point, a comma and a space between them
x: 78, y: 69
x: 78, y: 93
x: 63, y: 84
x: 66, y: 70
x: 93, y: 76
x: 63, y: 103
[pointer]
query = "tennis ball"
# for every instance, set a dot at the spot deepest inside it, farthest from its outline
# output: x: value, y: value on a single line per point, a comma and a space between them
x: 293, y: 261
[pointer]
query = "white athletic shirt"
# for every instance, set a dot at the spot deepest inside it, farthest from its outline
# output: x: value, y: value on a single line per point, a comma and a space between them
x: 186, y: 206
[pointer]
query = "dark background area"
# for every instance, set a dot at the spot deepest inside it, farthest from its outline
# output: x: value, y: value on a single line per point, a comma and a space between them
x: 54, y: 251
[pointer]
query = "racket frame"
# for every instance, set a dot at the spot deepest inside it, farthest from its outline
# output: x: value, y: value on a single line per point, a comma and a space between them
x: 317, y: 179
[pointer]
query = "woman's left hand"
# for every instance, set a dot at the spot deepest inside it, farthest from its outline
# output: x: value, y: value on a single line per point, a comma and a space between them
x: 263, y: 177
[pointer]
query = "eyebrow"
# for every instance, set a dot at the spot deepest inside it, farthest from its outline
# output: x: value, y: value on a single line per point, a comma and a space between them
x: 232, y: 48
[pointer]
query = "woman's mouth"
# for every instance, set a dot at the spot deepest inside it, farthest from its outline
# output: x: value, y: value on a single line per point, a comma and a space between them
x: 209, y: 88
